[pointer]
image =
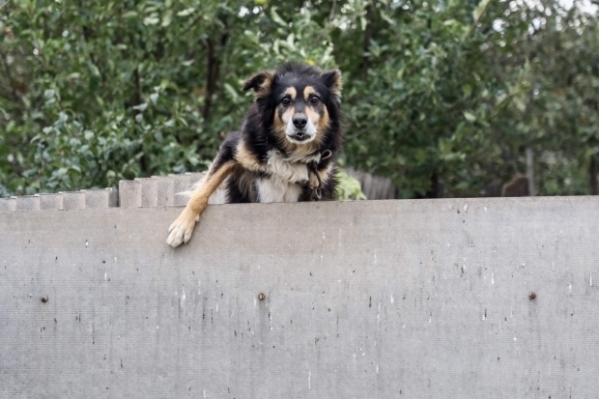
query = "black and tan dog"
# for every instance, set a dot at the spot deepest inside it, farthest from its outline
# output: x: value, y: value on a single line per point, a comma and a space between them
x: 285, y: 149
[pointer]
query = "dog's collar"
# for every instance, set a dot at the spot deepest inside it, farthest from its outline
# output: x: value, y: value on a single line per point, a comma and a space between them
x: 326, y: 154
x: 314, y: 157
x: 319, y: 156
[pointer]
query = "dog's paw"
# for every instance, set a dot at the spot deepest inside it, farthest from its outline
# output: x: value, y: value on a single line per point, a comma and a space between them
x: 181, y: 229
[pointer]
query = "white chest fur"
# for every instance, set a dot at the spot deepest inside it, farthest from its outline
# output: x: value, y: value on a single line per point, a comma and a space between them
x: 286, y: 170
x: 272, y: 189
x: 285, y: 174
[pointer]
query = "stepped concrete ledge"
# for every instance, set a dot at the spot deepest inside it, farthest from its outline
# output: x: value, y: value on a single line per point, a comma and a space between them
x: 62, y: 201
x: 152, y: 192
x: 148, y: 192
x: 451, y: 298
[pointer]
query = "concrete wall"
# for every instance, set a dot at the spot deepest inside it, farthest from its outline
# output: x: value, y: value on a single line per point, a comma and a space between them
x: 382, y: 299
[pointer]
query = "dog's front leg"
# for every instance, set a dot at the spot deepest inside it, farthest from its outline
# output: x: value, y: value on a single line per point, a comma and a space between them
x: 182, y: 228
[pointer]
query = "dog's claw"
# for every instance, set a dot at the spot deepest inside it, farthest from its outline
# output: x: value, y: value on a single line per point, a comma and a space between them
x: 181, y: 230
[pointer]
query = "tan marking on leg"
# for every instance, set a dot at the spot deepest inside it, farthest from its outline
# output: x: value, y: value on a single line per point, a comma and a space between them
x: 199, y: 198
x: 181, y: 230
x: 247, y: 159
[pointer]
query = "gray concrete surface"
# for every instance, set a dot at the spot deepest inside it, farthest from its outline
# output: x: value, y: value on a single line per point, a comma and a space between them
x: 156, y: 191
x: 382, y: 299
x: 62, y: 201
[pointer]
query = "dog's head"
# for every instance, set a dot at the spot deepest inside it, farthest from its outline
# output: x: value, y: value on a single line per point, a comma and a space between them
x: 298, y: 101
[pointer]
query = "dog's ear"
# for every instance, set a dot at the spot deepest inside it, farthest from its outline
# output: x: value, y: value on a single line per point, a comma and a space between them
x: 260, y: 83
x: 332, y: 80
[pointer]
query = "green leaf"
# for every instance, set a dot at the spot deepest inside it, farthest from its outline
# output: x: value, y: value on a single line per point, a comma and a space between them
x: 480, y: 9
x: 232, y: 92
x: 186, y: 12
x: 141, y: 107
x: 129, y: 15
x: 420, y: 155
x: 167, y: 18
x: 470, y: 117
x: 151, y: 20
x: 276, y: 18
x: 467, y: 90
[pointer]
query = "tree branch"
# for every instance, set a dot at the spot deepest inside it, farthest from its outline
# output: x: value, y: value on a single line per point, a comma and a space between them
x: 11, y: 81
x: 366, y: 42
x: 332, y: 12
x: 213, y: 68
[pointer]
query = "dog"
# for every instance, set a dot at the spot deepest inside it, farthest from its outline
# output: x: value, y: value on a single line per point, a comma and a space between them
x: 284, y: 150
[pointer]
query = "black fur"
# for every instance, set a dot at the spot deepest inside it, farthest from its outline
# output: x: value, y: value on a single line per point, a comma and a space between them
x: 284, y: 150
x: 257, y: 135
x: 258, y: 121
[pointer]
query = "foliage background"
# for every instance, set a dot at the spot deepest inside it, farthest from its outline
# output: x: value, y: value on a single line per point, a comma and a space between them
x: 442, y: 96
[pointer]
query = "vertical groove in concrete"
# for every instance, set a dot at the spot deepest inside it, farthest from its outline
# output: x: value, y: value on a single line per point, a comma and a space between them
x: 156, y: 191
x: 165, y: 194
x: 149, y: 193
x: 51, y: 202
x: 28, y: 203
x: 8, y: 204
x: 73, y: 200
x: 106, y: 198
x: 130, y: 193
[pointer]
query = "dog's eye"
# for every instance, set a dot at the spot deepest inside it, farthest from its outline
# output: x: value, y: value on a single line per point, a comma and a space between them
x: 286, y: 100
x: 314, y: 100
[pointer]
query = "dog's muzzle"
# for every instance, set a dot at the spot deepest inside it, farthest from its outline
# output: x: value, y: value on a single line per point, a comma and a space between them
x: 300, y: 129
x: 299, y: 136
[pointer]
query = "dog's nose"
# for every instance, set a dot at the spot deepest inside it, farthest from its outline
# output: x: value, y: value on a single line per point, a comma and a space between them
x: 300, y: 121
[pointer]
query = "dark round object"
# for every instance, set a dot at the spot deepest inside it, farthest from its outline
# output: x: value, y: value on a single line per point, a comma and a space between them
x: 532, y: 296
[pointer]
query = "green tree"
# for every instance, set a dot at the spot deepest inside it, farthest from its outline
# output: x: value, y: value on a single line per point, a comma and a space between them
x: 442, y: 96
